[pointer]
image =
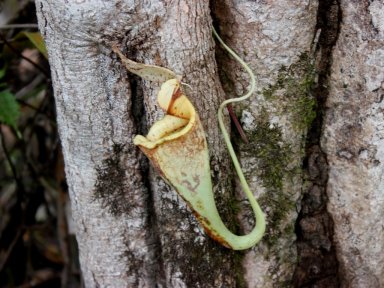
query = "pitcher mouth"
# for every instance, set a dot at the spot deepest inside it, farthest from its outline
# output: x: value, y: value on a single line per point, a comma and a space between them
x: 179, y: 119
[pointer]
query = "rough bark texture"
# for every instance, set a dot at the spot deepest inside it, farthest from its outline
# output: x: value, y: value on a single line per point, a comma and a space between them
x: 96, y: 127
x: 354, y: 142
x: 132, y: 228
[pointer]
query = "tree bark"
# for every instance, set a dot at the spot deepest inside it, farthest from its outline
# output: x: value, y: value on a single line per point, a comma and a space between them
x: 275, y: 38
x: 354, y: 141
x: 133, y: 230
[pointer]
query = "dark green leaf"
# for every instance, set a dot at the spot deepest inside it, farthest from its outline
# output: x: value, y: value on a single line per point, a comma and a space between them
x: 2, y: 72
x: 9, y: 109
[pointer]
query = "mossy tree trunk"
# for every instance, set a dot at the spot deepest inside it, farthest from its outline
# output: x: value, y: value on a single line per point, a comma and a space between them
x: 132, y: 228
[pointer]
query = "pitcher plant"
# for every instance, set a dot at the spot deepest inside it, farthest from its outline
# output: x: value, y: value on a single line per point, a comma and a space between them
x: 177, y: 148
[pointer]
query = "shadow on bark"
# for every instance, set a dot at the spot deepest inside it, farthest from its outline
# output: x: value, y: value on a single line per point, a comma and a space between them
x: 318, y: 265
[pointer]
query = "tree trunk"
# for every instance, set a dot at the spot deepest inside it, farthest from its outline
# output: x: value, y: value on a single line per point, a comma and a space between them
x: 132, y: 228
x: 353, y: 140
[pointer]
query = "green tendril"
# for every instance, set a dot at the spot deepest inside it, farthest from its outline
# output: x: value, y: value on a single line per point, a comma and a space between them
x: 260, y: 221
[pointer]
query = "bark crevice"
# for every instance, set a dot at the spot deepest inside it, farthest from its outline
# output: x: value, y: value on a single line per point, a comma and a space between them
x: 318, y: 264
x: 137, y: 109
x: 229, y: 215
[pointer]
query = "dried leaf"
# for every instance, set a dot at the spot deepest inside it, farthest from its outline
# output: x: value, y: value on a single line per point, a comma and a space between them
x: 145, y: 71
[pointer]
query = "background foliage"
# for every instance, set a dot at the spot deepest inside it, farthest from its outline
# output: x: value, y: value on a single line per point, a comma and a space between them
x: 36, y: 249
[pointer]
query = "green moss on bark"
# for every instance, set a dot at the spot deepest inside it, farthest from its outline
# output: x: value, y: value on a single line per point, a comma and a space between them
x: 293, y: 88
x: 290, y: 96
x: 273, y: 157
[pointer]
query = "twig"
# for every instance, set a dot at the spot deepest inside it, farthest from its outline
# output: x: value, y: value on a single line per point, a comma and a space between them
x: 45, y: 72
x: 30, y: 86
x: 10, y: 249
x: 16, y: 26
x: 62, y: 231
x: 40, y: 108
x: 22, y: 102
x: 37, y: 109
x: 46, y: 276
x: 237, y: 124
x: 13, y: 168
